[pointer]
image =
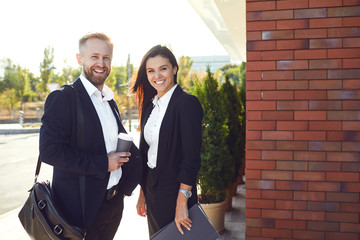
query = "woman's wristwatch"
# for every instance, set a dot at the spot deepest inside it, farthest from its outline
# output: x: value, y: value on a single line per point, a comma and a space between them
x: 187, y: 193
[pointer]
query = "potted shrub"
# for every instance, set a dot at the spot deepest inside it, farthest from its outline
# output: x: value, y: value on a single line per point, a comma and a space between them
x: 217, y: 171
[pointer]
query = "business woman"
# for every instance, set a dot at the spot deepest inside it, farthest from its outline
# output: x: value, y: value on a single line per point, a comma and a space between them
x: 170, y: 142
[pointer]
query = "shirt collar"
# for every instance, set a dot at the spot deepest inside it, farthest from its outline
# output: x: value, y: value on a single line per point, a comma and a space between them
x: 92, y: 90
x: 165, y: 99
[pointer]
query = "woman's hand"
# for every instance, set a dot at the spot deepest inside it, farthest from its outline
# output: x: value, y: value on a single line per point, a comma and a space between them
x: 182, y: 212
x: 141, y: 204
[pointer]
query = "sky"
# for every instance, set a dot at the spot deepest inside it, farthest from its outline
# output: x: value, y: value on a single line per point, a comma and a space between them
x: 30, y: 26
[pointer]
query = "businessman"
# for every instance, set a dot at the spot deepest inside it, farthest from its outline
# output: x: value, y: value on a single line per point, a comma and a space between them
x: 109, y: 175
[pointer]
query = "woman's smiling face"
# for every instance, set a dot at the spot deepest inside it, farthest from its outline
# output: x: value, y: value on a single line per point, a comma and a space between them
x: 160, y: 74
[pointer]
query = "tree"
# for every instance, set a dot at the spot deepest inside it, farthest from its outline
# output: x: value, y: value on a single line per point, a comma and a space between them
x: 9, y: 100
x: 45, y: 70
x: 184, y: 72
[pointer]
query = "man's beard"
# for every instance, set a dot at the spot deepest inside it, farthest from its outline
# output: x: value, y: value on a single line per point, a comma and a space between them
x: 96, y: 81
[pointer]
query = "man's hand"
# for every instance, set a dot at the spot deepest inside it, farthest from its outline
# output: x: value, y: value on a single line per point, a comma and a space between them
x: 141, y: 204
x: 117, y: 159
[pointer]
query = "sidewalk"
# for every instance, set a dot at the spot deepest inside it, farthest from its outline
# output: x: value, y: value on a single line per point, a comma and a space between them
x: 16, y: 128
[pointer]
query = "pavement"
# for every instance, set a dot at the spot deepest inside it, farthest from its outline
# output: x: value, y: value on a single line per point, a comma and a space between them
x: 132, y: 227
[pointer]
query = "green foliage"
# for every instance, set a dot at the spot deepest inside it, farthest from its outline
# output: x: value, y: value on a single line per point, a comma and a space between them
x: 184, y: 73
x: 9, y: 100
x: 45, y: 70
x: 236, y: 73
x: 216, y: 172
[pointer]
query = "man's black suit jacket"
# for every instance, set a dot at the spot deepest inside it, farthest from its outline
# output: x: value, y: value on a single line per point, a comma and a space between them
x: 58, y: 147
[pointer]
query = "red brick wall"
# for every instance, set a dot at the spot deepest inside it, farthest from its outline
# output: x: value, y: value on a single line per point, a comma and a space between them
x: 303, y: 112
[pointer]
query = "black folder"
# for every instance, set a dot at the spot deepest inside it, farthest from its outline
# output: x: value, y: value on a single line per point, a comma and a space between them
x: 201, y: 228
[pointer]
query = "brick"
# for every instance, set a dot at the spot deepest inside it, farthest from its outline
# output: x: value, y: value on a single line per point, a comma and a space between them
x: 292, y: 85
x: 261, y: 145
x: 309, y: 176
x: 260, y: 65
x: 323, y: 187
x: 277, y: 155
x: 250, y: 56
x: 310, y: 94
x: 351, y: 63
x: 350, y: 207
x: 252, y: 213
x: 342, y: 197
x: 253, y: 115
x: 351, y: 105
x: 325, y: 84
x: 292, y: 4
x: 261, y: 164
x: 260, y: 6
x: 278, y: 95
x: 351, y: 2
x: 324, y: 206
x: 292, y: 24
x: 325, y: 64
x: 342, y: 176
x: 292, y: 64
x: 283, y: 34
x: 253, y: 16
x: 342, y: 217
x: 310, y: 74
x: 325, y: 22
x: 276, y: 15
x: 324, y: 3
x: 291, y: 185
x: 344, y: 32
x: 310, y: 13
x: 253, y: 36
x: 350, y: 146
x: 253, y: 95
x: 351, y: 21
x: 260, y: 45
x: 263, y: 223
x: 310, y: 156
x: 253, y: 75
x: 350, y: 227
x: 344, y: 53
x: 276, y: 233
x: 343, y: 115
x: 277, y: 115
x: 325, y: 125
x: 351, y: 42
x: 310, y: 135
x: 324, y: 166
x: 292, y: 44
x: 309, y: 215
x: 344, y: 74
x: 323, y: 226
x: 310, y: 115
x: 261, y: 25
x: 277, y: 135
x: 253, y: 193
x: 260, y: 184
x: 351, y: 84
x: 276, y: 214
x: 291, y: 165
x: 343, y: 156
x: 311, y: 54
x: 324, y: 146
x: 292, y: 105
x: 261, y: 105
x: 351, y: 125
x: 309, y: 196
x: 324, y: 105
x: 278, y: 75
x: 350, y: 187
x: 277, y: 55
x: 344, y: 94
x: 292, y: 125
x: 351, y: 167
x: 308, y: 235
x: 252, y: 154
x: 344, y: 11
x: 291, y: 145
x: 277, y: 175
x: 343, y: 136
x: 290, y: 205
x: 310, y: 33
x: 261, y: 125
x: 325, y: 43
x: 290, y: 224
x: 253, y: 135
x: 260, y: 85
x: 270, y: 194
x: 252, y: 174
x: 342, y: 236
x: 255, y: 203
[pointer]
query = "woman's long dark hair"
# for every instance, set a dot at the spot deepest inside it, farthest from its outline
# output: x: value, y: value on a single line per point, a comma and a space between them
x: 142, y: 89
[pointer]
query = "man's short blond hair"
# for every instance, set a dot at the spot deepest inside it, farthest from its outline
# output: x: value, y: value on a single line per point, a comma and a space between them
x: 96, y: 35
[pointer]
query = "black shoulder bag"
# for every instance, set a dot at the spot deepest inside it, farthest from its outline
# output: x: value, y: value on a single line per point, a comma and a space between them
x: 40, y: 216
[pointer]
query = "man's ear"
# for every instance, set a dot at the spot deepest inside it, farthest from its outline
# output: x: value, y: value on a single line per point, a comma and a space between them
x: 79, y: 59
